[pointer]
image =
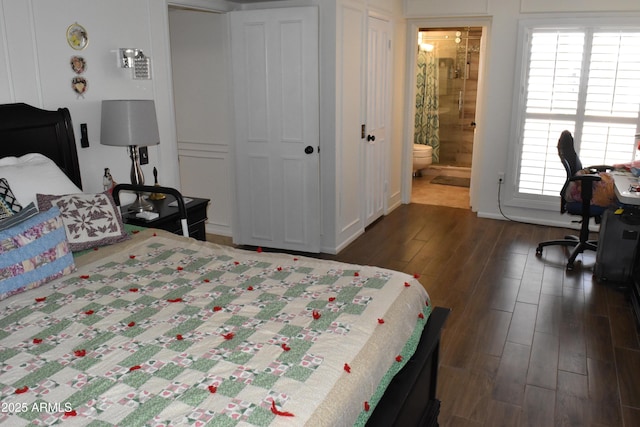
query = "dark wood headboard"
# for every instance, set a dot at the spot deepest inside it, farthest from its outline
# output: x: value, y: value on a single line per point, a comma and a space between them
x: 26, y: 129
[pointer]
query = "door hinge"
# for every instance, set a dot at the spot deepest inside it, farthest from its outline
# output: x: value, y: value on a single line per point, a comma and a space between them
x: 362, y: 131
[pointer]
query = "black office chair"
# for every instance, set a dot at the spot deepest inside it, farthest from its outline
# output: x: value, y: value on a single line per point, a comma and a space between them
x: 584, y: 209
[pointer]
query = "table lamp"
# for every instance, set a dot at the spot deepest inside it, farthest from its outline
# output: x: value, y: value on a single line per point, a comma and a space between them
x: 131, y: 123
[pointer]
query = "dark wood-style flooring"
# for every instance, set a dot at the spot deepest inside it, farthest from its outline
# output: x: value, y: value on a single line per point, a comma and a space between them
x: 526, y: 343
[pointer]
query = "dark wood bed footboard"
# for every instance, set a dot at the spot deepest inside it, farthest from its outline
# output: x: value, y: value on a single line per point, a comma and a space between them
x: 410, y: 399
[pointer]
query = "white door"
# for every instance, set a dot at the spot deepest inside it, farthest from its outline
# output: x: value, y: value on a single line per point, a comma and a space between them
x: 375, y: 142
x: 275, y: 84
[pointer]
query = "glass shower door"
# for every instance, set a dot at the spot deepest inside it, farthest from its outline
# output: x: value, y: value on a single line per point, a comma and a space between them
x: 455, y: 53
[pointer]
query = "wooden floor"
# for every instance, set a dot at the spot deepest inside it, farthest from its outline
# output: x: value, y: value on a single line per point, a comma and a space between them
x: 526, y: 342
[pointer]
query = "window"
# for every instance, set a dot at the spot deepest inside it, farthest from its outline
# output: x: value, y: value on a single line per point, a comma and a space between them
x: 585, y: 80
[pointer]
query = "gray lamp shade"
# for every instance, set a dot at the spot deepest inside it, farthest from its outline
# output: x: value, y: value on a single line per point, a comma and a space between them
x: 129, y: 122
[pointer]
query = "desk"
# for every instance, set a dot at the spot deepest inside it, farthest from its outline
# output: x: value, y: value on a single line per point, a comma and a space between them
x: 623, y: 182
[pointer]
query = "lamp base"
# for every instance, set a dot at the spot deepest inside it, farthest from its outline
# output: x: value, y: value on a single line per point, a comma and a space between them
x: 140, y: 205
x: 137, y: 178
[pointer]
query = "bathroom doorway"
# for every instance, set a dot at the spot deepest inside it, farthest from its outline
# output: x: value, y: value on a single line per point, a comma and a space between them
x: 447, y: 74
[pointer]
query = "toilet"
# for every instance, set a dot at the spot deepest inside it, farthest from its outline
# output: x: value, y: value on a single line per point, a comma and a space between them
x: 422, y: 157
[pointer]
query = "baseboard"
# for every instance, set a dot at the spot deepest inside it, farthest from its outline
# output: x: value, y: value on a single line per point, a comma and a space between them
x: 218, y: 229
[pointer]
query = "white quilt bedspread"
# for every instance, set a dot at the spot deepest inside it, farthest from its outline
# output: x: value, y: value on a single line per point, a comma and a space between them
x: 162, y: 330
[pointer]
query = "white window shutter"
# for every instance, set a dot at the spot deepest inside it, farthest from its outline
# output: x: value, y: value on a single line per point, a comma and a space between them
x: 588, y: 82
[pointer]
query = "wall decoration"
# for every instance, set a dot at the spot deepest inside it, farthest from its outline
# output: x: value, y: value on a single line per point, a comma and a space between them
x: 79, y: 85
x: 78, y: 64
x: 77, y: 36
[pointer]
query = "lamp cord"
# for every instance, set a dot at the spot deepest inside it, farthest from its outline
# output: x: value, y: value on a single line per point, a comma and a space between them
x: 500, y: 205
x: 500, y: 201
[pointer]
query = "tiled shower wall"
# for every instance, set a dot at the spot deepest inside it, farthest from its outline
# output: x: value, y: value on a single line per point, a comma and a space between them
x: 456, y: 129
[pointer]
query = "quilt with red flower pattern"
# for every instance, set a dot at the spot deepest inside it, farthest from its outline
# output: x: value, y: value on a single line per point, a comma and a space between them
x: 162, y: 330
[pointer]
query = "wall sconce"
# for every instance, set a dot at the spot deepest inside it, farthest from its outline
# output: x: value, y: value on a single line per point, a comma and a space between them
x: 135, y: 60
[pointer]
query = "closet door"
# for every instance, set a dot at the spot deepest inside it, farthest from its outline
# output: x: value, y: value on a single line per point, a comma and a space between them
x: 275, y: 84
x: 378, y: 101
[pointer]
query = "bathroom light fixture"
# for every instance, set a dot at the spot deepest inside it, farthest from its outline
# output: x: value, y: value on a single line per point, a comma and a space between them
x: 131, y: 123
x: 422, y: 42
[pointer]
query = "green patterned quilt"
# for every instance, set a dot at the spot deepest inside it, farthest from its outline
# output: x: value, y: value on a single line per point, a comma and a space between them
x: 162, y: 330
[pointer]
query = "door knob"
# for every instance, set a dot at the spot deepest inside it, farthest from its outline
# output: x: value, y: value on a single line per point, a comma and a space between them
x: 371, y: 138
x: 308, y: 149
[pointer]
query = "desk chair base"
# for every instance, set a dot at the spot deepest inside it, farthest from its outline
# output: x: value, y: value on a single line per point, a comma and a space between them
x: 583, y: 207
x: 570, y: 241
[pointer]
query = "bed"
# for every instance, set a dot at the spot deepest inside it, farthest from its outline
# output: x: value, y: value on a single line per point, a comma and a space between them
x: 151, y: 328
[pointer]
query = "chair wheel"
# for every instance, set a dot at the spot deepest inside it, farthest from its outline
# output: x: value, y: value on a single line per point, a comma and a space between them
x: 539, y: 250
x: 569, y: 267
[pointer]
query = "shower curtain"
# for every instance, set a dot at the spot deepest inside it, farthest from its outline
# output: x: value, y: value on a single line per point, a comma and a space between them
x: 427, y: 123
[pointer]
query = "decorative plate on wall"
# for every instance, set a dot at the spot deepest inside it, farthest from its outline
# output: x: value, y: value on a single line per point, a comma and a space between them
x: 77, y: 36
x: 79, y: 85
x: 78, y: 64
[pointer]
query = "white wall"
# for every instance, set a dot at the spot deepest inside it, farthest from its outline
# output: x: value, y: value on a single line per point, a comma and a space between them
x: 35, y: 70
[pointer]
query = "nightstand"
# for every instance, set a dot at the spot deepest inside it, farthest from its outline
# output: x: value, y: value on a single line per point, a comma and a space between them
x: 169, y: 218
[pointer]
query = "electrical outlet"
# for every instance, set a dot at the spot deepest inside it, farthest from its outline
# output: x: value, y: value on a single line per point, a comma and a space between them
x: 144, y: 155
x: 84, y: 136
x: 501, y: 177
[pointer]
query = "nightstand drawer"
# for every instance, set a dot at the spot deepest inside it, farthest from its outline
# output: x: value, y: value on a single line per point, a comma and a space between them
x: 169, y: 218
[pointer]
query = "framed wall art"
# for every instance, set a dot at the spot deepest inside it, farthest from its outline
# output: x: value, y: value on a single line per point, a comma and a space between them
x: 77, y: 36
x: 78, y: 64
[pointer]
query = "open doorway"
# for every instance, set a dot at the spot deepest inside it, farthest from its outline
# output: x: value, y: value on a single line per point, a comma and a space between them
x: 447, y: 73
x: 201, y: 91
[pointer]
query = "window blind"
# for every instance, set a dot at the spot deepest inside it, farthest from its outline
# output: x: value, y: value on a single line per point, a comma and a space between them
x: 586, y: 81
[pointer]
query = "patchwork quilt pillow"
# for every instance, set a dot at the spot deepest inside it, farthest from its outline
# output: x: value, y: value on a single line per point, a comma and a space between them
x: 8, y: 203
x: 5, y: 210
x: 91, y: 220
x: 33, y: 252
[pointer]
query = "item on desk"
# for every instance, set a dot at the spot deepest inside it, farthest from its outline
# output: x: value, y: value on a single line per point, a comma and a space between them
x: 634, y: 188
x: 147, y: 215
x: 156, y: 196
x: 627, y: 166
x: 186, y: 200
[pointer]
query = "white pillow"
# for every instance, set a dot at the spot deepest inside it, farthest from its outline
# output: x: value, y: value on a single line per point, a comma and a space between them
x: 34, y: 173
